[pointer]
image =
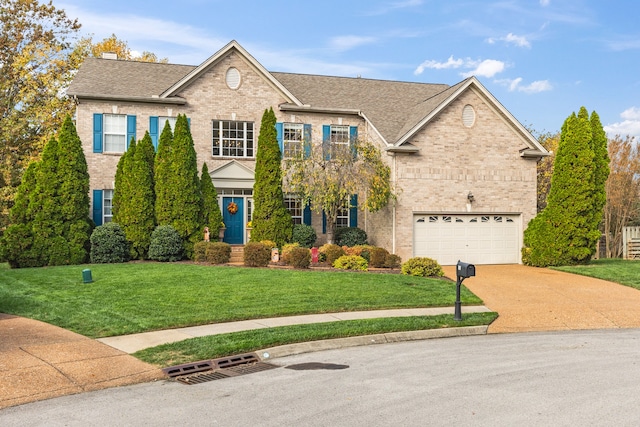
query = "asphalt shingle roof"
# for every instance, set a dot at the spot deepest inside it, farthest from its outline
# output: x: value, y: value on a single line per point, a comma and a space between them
x: 393, y: 107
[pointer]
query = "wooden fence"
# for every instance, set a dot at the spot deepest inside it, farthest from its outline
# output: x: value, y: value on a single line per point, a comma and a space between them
x: 631, y: 242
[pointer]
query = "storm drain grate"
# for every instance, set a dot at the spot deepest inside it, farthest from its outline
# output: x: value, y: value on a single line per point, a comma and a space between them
x: 217, y: 369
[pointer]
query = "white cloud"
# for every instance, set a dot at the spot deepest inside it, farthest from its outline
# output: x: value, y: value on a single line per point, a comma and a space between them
x: 450, y: 63
x: 545, y: 3
x: 486, y: 68
x: 344, y: 43
x: 632, y: 113
x: 534, y: 87
x: 520, y: 41
x: 630, y: 125
x: 179, y: 42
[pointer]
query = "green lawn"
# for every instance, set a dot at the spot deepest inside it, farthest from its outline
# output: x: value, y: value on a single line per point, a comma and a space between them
x: 214, y: 346
x: 621, y: 271
x: 137, y: 297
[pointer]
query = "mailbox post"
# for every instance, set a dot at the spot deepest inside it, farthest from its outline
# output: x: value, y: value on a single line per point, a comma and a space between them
x: 463, y: 270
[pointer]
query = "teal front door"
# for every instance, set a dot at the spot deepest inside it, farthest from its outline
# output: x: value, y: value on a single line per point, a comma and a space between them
x: 233, y: 221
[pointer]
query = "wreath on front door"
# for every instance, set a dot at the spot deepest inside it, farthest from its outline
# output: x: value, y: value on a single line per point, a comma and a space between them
x: 232, y: 208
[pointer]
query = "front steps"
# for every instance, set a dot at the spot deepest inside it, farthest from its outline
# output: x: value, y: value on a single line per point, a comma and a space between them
x: 237, y: 254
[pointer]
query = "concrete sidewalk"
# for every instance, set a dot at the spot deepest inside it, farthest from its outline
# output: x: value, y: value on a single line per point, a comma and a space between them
x: 39, y: 361
x: 135, y: 342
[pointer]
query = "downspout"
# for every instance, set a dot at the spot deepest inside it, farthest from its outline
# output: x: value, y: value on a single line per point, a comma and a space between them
x: 393, y: 208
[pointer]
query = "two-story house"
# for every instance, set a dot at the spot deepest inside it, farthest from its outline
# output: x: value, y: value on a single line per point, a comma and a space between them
x: 463, y: 167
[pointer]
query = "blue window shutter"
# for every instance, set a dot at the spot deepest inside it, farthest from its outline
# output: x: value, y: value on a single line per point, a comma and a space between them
x: 131, y: 129
x: 97, y: 133
x: 353, y: 137
x: 189, y: 123
x: 153, y: 130
x: 97, y: 207
x: 280, y: 137
x: 307, y: 141
x: 326, y: 142
x: 353, y: 211
x: 324, y: 223
x: 306, y: 215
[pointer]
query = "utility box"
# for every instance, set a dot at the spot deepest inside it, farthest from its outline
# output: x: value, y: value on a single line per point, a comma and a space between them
x: 314, y: 255
x: 465, y: 270
x: 275, y: 255
x: 86, y: 276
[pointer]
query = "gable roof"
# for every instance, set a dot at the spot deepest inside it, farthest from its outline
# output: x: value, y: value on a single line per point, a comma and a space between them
x: 396, y: 110
x: 126, y: 80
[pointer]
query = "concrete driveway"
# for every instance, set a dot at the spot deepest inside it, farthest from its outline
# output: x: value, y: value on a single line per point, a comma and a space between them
x: 539, y: 299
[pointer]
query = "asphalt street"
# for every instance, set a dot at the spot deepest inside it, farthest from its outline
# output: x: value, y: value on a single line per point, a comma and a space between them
x: 530, y: 379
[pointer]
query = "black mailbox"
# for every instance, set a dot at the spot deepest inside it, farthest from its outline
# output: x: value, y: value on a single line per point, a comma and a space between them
x: 465, y: 269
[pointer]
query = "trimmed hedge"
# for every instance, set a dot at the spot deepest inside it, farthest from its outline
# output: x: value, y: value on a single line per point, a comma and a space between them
x: 350, y: 236
x: 423, y: 267
x: 166, y: 244
x: 304, y: 234
x: 351, y: 262
x: 329, y: 253
x: 300, y: 257
x: 109, y: 244
x: 257, y: 254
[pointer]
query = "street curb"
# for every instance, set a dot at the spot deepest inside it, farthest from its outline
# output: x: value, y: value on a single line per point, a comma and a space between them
x: 393, y: 337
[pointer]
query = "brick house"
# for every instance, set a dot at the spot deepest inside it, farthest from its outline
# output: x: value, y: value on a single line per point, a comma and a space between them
x: 463, y: 166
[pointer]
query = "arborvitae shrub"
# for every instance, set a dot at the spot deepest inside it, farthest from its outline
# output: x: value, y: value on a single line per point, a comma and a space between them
x: 423, y: 267
x: 257, y: 254
x: 271, y: 219
x: 285, y: 254
x: 351, y: 262
x: 304, y: 234
x: 300, y: 257
x: 218, y: 252
x: 330, y: 252
x: 166, y: 244
x: 392, y: 261
x: 200, y: 251
x: 109, y: 244
x: 377, y: 257
x: 350, y: 236
x: 18, y: 242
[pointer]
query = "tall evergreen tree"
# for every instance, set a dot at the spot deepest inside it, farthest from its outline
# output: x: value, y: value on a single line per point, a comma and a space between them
x: 178, y: 193
x: 123, y: 186
x: 566, y: 231
x: 271, y: 220
x: 133, y: 196
x: 74, y: 193
x: 55, y: 228
x: 601, y: 171
x: 212, y: 216
x: 17, y: 243
x: 162, y: 172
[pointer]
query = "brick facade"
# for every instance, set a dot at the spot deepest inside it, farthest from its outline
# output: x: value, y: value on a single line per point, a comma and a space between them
x: 452, y: 160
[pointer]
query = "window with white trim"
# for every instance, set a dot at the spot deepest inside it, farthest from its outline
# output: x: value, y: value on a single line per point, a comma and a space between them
x: 107, y: 206
x: 295, y: 208
x: 163, y: 120
x: 293, y: 139
x: 115, y: 133
x: 343, y: 220
x: 232, y: 139
x: 339, y: 138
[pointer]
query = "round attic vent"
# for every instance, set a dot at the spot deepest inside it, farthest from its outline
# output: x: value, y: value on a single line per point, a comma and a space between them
x: 468, y: 116
x: 233, y: 78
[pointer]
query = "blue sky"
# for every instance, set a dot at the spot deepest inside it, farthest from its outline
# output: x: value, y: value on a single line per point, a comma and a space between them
x: 542, y: 59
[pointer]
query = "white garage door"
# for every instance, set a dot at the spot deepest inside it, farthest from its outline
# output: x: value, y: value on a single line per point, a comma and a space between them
x: 477, y: 239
